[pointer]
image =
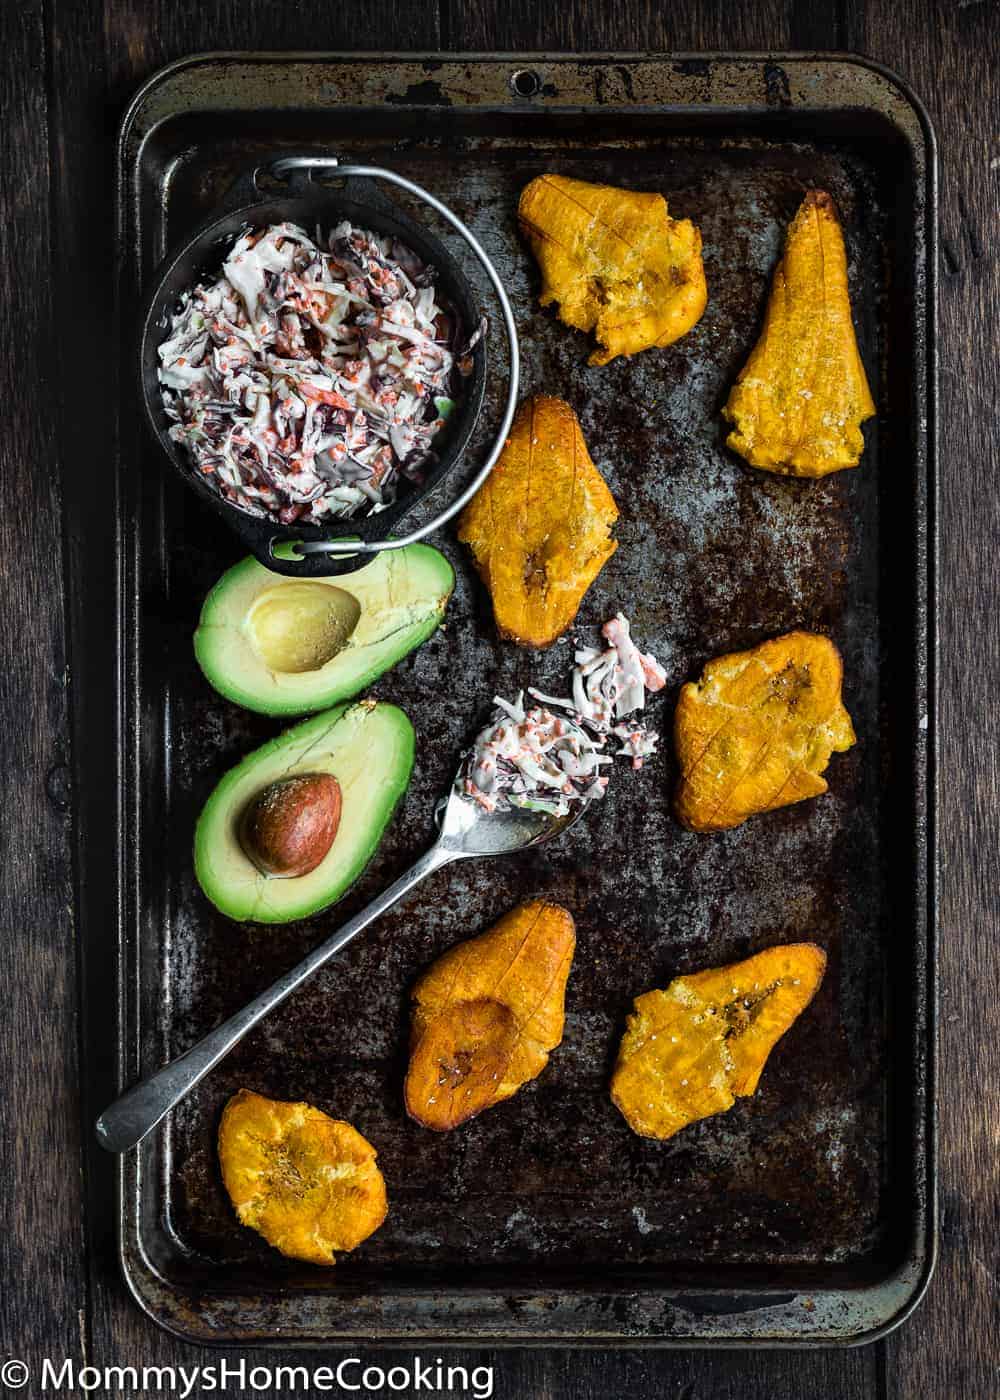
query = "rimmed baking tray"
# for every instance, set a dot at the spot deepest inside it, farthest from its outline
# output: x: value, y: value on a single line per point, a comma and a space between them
x: 807, y: 1213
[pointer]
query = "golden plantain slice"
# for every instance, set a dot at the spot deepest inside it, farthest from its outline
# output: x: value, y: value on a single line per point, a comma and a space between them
x: 690, y: 1051
x: 799, y: 401
x: 538, y: 527
x: 757, y: 729
x: 615, y: 261
x: 307, y: 1182
x: 486, y: 1015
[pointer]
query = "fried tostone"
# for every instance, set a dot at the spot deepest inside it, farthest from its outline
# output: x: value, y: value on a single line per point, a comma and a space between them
x: 307, y: 1182
x: 486, y: 1015
x: 539, y: 526
x: 615, y: 262
x: 757, y: 729
x: 689, y: 1052
x: 799, y: 401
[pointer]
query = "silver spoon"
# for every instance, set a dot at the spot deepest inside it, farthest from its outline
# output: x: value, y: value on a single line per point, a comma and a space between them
x: 466, y: 830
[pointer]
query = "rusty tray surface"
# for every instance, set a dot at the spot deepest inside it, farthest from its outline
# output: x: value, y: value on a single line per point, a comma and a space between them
x: 805, y: 1214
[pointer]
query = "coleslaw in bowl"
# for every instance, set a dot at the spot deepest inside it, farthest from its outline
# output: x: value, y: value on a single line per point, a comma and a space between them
x: 295, y: 545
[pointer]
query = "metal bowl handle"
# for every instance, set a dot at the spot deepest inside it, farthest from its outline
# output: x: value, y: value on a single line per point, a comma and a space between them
x: 286, y: 166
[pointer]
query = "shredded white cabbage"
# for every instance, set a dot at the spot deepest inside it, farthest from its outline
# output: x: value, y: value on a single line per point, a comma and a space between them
x: 306, y: 379
x: 548, y: 762
x: 609, y: 686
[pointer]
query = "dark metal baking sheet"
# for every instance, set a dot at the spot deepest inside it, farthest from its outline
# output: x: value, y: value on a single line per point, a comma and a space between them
x: 806, y: 1213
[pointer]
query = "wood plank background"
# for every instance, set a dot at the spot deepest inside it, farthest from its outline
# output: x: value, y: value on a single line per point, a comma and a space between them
x: 68, y: 66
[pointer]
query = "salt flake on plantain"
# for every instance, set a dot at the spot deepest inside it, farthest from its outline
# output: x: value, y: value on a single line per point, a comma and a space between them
x: 798, y: 403
x: 487, y: 1014
x: 615, y: 262
x: 539, y: 527
x: 690, y: 1051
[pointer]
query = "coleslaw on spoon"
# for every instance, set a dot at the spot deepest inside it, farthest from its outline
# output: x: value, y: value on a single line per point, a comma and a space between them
x: 535, y: 758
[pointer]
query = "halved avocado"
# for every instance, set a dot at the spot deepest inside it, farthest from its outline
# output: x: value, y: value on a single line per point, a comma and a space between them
x: 285, y: 646
x: 368, y: 747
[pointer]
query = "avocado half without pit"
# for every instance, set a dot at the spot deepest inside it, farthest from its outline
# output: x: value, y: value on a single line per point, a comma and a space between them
x: 289, y: 829
x: 284, y: 646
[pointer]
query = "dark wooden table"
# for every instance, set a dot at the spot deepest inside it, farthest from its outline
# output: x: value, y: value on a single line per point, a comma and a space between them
x: 68, y: 68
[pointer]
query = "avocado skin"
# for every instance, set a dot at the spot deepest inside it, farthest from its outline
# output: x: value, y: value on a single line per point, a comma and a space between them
x: 226, y: 875
x: 250, y: 684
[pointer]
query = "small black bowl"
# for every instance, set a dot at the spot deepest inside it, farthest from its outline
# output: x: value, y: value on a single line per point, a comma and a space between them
x: 309, y: 204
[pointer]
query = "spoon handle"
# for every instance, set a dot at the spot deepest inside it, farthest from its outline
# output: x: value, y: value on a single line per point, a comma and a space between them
x: 127, y: 1121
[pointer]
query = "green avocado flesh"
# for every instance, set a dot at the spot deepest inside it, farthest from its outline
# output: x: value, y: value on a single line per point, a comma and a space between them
x: 285, y: 646
x: 368, y: 747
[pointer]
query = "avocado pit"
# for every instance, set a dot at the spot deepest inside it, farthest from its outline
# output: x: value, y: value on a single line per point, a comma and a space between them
x: 288, y: 828
x: 301, y: 626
